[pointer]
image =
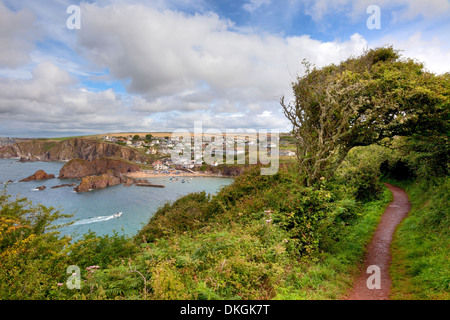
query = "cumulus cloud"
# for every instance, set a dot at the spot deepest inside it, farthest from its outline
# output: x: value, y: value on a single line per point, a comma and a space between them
x: 52, y: 101
x: 432, y: 51
x: 17, y: 34
x: 177, y: 61
x: 177, y: 67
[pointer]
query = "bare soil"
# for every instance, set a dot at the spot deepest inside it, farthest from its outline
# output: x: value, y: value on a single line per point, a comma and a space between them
x: 378, y: 252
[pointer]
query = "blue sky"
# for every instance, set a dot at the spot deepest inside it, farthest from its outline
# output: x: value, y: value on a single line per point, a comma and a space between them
x: 161, y: 65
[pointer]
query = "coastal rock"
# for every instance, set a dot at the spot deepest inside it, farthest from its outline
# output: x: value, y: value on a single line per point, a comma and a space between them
x: 99, y: 173
x: 97, y: 182
x: 129, y: 182
x: 39, y: 175
x: 64, y: 185
x: 78, y: 168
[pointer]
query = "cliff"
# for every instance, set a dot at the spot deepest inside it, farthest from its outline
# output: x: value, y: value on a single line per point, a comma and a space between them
x: 75, y: 148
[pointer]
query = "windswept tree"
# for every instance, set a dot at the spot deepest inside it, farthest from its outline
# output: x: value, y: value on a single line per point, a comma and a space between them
x: 360, y: 102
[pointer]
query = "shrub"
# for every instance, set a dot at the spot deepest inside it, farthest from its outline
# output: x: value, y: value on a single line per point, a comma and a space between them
x: 167, y: 284
x: 185, y: 214
x: 92, y: 249
x: 361, y: 170
x: 32, y: 255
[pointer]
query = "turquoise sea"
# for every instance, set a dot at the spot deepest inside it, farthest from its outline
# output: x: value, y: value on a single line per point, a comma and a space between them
x: 93, y: 210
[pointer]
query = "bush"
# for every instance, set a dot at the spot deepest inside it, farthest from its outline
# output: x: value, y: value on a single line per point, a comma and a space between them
x: 188, y: 213
x: 92, y: 249
x: 361, y: 170
x: 32, y: 255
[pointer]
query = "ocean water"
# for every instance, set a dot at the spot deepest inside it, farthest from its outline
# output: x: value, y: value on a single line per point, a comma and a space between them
x: 94, y: 210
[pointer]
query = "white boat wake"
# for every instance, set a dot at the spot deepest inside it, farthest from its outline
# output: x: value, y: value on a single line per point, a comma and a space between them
x: 97, y: 219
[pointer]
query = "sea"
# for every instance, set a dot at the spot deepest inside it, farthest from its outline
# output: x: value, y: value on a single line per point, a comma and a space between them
x: 95, y: 210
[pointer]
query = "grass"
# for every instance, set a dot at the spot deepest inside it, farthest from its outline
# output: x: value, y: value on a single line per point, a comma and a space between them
x: 421, y: 247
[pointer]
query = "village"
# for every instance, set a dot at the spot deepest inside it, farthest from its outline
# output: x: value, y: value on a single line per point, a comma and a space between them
x: 163, y: 146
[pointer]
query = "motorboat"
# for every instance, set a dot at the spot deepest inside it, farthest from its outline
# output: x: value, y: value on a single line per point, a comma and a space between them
x: 117, y: 215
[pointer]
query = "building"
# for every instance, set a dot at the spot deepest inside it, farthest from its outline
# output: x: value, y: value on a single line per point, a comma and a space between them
x: 158, y: 165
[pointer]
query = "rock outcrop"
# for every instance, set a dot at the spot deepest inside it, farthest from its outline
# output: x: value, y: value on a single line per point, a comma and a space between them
x: 97, y: 182
x: 64, y: 185
x: 99, y: 173
x: 78, y: 168
x: 103, y: 181
x: 39, y: 175
x: 75, y: 148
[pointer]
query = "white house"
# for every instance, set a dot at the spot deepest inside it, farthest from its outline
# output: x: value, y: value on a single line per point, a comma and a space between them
x: 158, y: 165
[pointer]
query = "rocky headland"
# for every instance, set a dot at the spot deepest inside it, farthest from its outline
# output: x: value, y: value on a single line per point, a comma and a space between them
x: 65, y: 150
x: 99, y: 173
x: 79, y: 168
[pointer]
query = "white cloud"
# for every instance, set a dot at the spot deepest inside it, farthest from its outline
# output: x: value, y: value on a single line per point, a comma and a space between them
x: 432, y: 51
x: 253, y: 5
x: 51, y: 101
x: 17, y: 34
x: 171, y: 58
x: 177, y: 67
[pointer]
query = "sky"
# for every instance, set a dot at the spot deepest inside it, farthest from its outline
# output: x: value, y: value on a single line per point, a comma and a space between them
x: 160, y: 65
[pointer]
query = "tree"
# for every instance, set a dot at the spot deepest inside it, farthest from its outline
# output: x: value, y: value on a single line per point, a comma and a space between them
x: 359, y: 102
x: 149, y: 137
x: 136, y: 137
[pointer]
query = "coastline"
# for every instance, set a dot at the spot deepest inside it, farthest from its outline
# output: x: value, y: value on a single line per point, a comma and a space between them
x: 159, y: 174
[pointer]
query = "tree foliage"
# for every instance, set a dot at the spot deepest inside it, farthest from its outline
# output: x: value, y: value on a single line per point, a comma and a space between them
x: 362, y: 101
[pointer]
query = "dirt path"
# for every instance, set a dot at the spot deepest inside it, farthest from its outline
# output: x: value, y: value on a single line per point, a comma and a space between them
x: 378, y: 252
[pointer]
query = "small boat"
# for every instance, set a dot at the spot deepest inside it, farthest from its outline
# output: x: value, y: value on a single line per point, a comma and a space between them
x: 117, y: 215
